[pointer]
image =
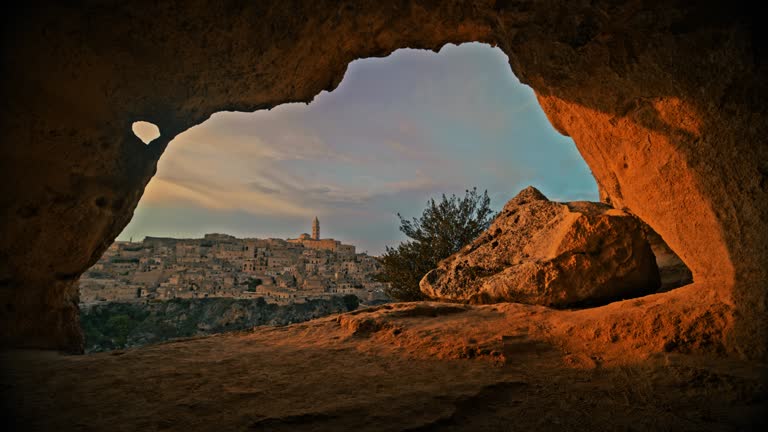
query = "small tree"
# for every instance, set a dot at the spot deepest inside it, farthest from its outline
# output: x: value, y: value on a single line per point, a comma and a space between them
x: 443, y: 228
x: 253, y: 283
x: 119, y: 327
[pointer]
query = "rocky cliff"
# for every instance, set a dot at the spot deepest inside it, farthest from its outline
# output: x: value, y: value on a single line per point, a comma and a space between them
x: 123, y: 325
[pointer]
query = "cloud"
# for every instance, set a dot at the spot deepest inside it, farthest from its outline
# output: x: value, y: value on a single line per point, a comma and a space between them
x: 396, y: 131
x: 412, y: 152
x: 256, y: 186
x: 218, y: 196
x: 242, y: 162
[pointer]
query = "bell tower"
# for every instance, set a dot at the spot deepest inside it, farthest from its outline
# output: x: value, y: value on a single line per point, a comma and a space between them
x: 316, y: 229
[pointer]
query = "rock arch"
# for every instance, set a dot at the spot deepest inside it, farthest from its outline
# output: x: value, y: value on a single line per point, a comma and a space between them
x: 665, y: 101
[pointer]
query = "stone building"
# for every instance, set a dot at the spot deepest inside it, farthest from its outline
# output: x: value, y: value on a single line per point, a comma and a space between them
x: 315, y: 242
x: 316, y: 229
x: 220, y: 265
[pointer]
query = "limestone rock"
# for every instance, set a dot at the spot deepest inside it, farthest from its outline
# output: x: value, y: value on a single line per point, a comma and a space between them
x: 542, y: 252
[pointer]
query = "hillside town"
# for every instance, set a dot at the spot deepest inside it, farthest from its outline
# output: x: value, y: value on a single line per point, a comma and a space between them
x: 219, y: 265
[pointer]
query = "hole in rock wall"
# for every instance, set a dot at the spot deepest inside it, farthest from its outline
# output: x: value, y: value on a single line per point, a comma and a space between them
x: 230, y: 212
x: 673, y: 272
x: 145, y: 131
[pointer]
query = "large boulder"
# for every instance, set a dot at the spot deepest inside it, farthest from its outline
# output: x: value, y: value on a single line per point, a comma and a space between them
x: 542, y: 252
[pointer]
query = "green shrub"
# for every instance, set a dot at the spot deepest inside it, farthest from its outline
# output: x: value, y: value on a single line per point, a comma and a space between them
x: 443, y: 228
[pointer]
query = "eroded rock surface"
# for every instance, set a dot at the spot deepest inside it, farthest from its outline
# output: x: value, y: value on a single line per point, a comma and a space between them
x: 408, y: 366
x: 542, y: 252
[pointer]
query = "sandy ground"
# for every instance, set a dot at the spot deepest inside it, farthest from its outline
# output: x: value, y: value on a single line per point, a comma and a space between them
x: 417, y: 367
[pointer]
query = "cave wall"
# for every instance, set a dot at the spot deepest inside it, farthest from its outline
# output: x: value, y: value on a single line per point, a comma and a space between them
x: 665, y: 101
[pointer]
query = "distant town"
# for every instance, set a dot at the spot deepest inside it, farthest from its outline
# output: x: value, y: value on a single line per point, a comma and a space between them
x: 220, y: 265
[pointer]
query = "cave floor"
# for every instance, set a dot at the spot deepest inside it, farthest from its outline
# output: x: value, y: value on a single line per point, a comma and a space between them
x: 416, y: 370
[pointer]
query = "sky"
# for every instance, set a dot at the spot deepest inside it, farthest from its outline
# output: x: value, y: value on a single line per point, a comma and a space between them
x: 397, y: 131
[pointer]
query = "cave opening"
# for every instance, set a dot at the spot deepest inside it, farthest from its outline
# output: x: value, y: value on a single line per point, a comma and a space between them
x: 145, y: 131
x: 397, y: 131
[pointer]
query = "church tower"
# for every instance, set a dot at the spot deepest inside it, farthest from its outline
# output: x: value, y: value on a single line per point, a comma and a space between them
x: 316, y: 229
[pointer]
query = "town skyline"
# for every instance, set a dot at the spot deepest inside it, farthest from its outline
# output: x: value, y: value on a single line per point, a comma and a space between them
x: 315, y: 231
x: 219, y: 265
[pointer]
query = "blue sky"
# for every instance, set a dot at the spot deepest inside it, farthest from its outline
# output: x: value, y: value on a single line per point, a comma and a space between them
x: 397, y: 131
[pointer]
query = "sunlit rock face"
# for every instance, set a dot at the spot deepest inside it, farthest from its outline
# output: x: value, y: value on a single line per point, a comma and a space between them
x: 554, y: 254
x: 665, y: 101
